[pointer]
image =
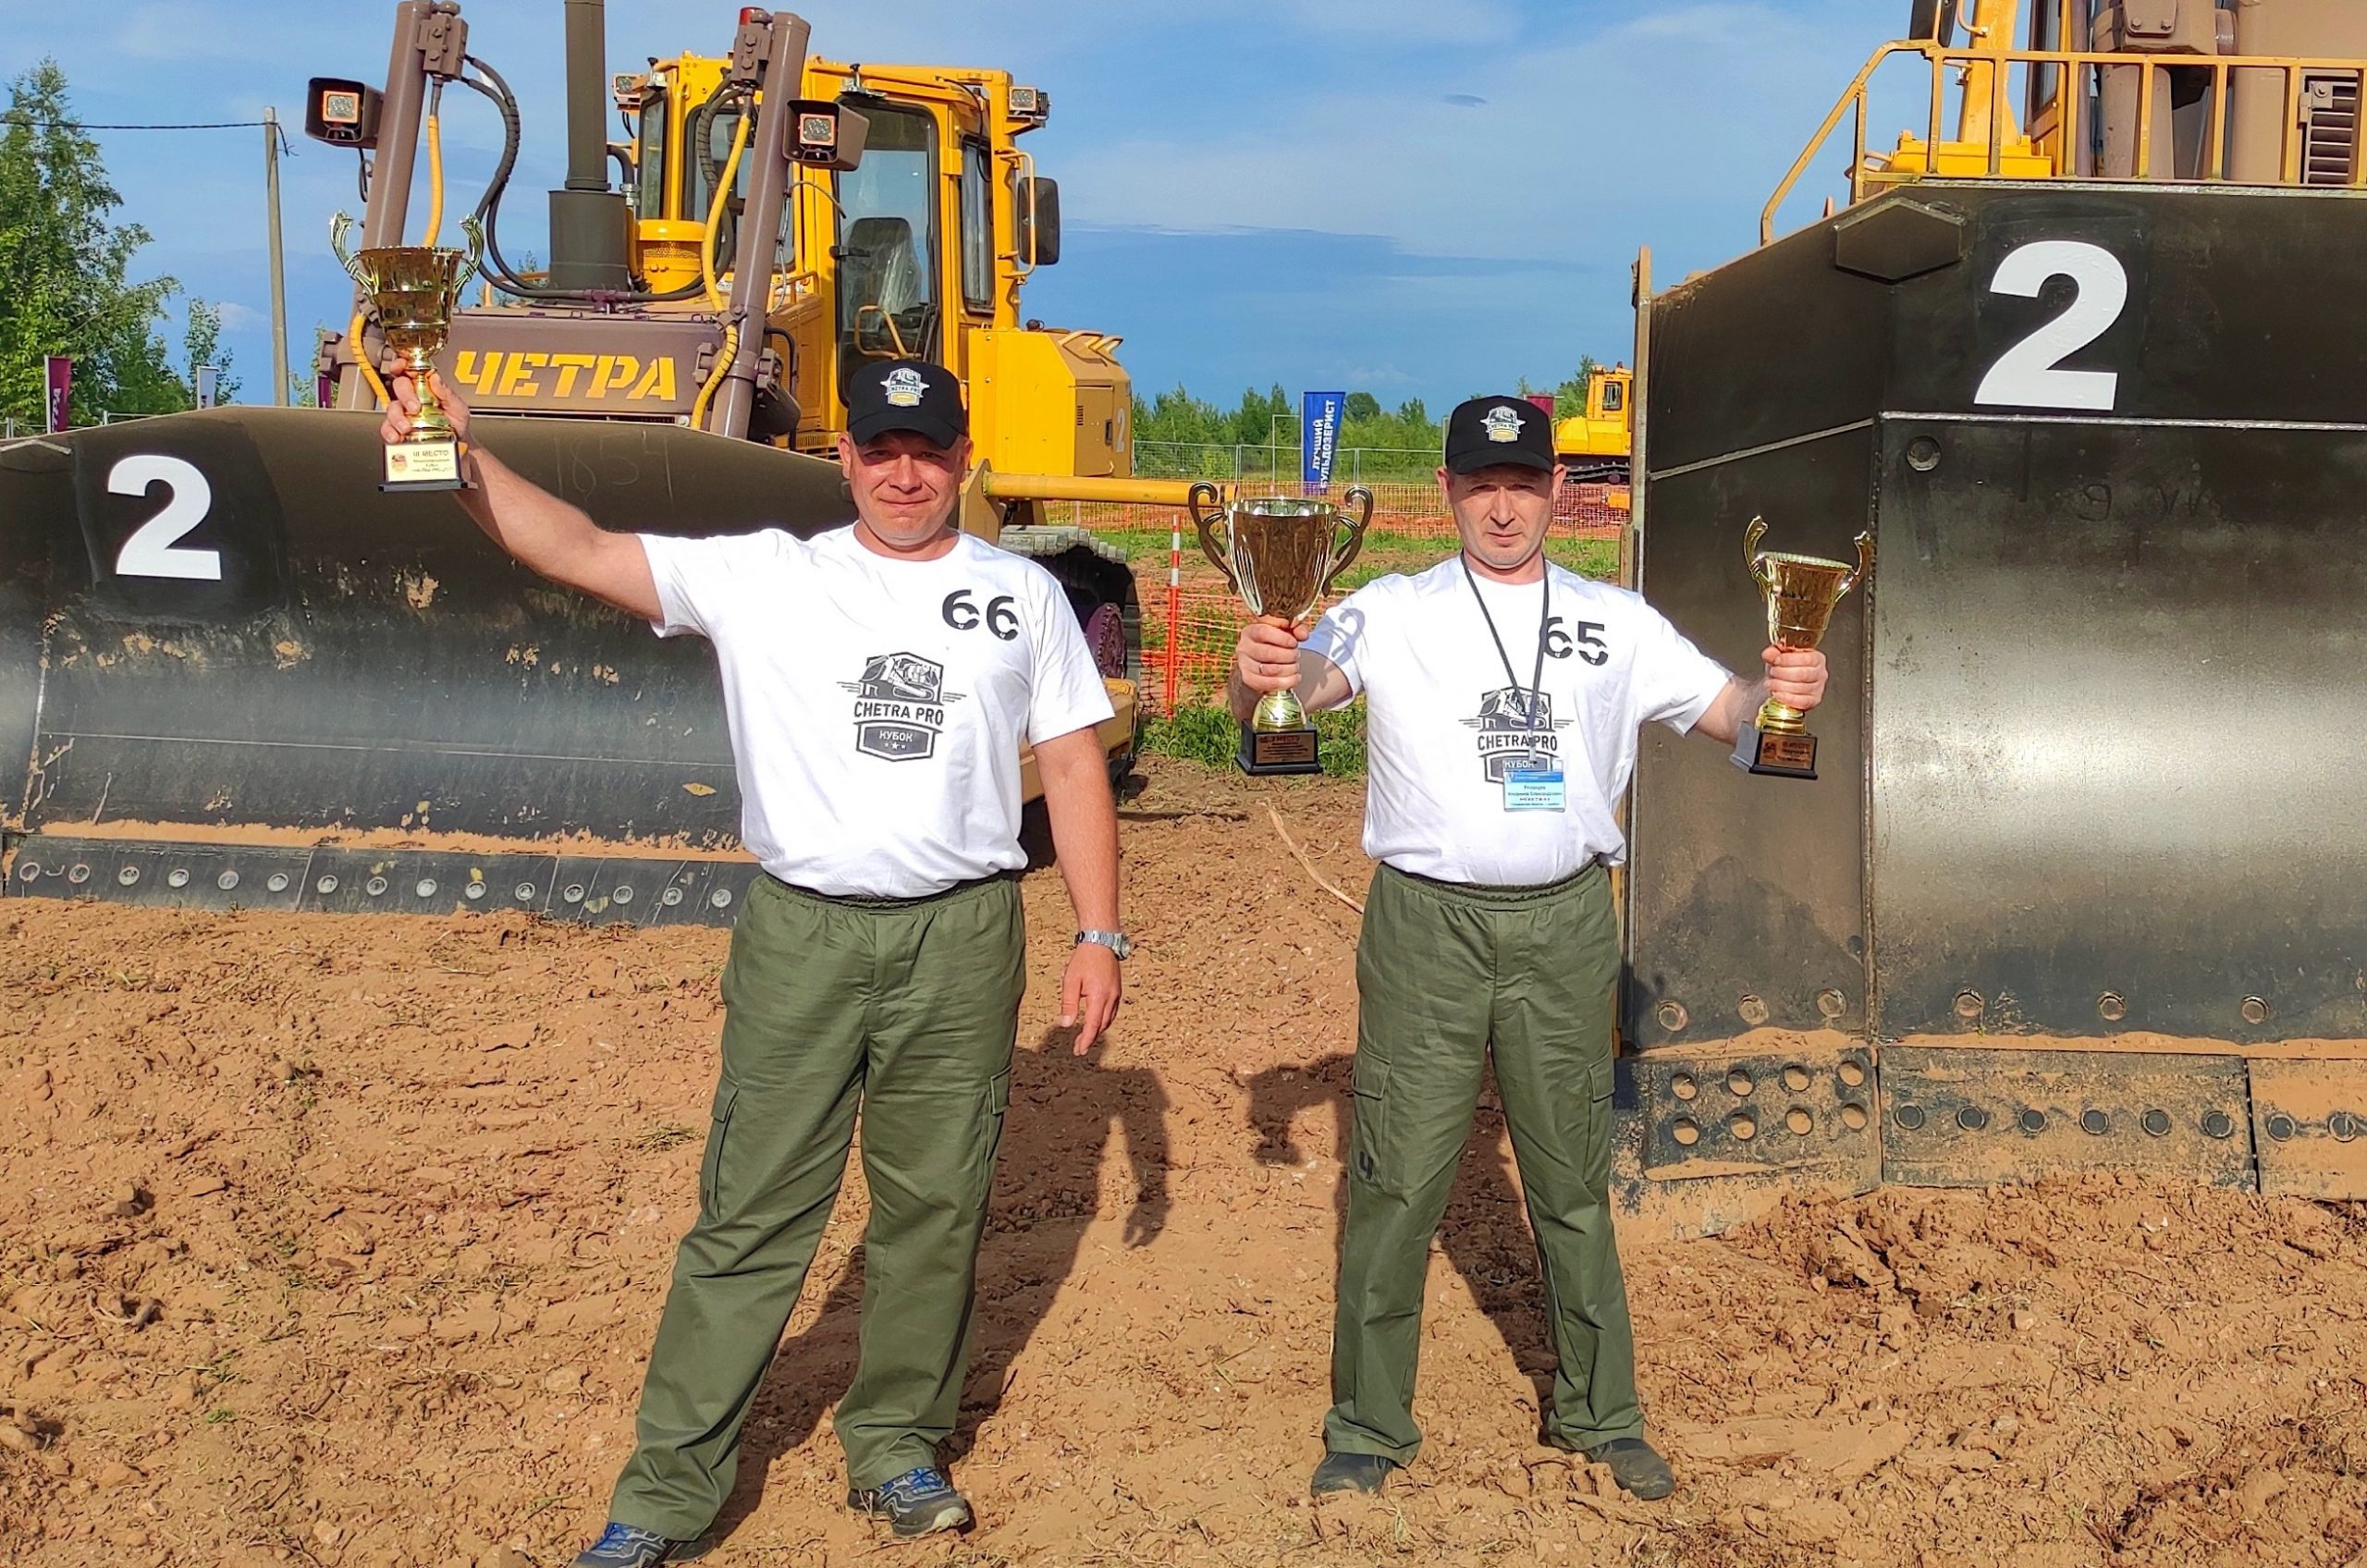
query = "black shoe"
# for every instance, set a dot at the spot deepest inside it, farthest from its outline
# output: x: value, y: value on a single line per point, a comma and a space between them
x: 1351, y: 1473
x: 918, y: 1502
x: 1639, y: 1471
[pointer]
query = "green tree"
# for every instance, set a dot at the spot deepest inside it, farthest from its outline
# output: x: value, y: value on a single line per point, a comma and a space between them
x: 64, y: 266
x: 1253, y: 422
x: 1570, y: 398
x: 1360, y: 406
x: 201, y: 341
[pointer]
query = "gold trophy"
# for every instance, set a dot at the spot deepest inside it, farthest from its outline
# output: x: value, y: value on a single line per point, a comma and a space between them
x: 1281, y: 555
x: 412, y: 290
x: 1800, y: 592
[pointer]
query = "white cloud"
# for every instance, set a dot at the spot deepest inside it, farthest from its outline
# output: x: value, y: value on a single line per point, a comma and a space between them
x: 241, y: 318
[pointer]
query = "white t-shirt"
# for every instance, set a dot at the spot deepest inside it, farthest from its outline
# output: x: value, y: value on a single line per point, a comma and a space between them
x: 876, y: 705
x: 1443, y: 725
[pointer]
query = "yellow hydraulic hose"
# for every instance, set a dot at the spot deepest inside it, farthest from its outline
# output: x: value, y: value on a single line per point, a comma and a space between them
x: 706, y: 269
x: 361, y: 360
x: 715, y: 377
x: 435, y: 176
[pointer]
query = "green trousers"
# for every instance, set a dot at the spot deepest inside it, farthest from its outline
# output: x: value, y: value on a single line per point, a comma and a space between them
x: 909, y: 1008
x: 1447, y: 975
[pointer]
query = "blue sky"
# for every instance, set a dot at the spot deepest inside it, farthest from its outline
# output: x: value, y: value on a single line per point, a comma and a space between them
x: 1414, y: 198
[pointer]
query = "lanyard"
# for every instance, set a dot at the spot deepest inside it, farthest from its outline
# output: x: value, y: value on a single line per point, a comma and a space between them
x: 1544, y: 613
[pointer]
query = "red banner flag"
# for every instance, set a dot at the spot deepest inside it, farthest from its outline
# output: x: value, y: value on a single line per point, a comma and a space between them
x: 61, y: 392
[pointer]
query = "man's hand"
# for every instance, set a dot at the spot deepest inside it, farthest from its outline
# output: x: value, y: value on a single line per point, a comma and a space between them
x: 1265, y: 656
x: 1090, y: 992
x: 402, y: 402
x: 1795, y: 676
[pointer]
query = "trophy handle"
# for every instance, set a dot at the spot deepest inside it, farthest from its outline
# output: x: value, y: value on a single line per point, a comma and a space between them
x: 475, y: 232
x: 1204, y: 523
x: 1865, y: 564
x: 339, y: 226
x: 1751, y: 535
x: 1356, y: 527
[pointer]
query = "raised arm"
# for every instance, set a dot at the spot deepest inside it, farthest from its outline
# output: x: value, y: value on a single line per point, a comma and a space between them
x: 537, y: 527
x: 1268, y: 658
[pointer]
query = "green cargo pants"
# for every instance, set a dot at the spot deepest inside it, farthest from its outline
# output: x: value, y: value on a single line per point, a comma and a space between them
x: 911, y: 1008
x: 1445, y: 975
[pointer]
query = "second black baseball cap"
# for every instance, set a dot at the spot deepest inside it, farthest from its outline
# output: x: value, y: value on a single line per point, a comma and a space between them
x: 906, y: 394
x: 1484, y: 432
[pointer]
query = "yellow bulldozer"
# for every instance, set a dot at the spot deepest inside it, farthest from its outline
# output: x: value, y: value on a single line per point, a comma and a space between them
x: 244, y: 675
x: 1593, y: 444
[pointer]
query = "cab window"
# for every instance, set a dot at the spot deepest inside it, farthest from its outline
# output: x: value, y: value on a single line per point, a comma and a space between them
x: 977, y: 227
x: 649, y: 188
x: 887, y: 241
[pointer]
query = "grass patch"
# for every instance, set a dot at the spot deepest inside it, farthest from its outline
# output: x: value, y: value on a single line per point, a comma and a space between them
x: 1210, y: 736
x: 661, y: 1138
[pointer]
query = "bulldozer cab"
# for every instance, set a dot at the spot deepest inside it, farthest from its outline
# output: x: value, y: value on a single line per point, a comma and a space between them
x: 1607, y: 394
x: 919, y: 249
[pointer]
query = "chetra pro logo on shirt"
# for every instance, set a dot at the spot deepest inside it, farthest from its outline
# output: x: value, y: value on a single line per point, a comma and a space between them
x: 900, y: 706
x: 1517, y: 727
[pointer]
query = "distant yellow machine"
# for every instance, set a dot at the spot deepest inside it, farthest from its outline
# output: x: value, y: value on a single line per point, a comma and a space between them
x: 1594, y: 446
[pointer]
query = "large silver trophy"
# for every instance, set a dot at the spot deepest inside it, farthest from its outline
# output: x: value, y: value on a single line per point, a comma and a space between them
x: 1281, y: 555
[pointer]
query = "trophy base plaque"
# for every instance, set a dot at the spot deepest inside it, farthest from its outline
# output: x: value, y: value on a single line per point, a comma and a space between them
x: 423, y: 465
x: 1779, y: 755
x: 1265, y: 751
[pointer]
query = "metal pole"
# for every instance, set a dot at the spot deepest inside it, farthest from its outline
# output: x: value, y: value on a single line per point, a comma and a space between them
x: 751, y: 280
x: 1174, y: 608
x: 279, y: 262
x: 390, y: 165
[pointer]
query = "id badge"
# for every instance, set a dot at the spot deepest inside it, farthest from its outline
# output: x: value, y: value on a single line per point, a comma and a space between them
x: 1534, y: 789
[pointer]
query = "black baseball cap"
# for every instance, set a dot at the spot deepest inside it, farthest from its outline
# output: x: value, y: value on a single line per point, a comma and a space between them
x: 1484, y: 432
x: 906, y: 394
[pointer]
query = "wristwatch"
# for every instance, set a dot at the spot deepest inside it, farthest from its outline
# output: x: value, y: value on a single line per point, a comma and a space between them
x: 1114, y: 940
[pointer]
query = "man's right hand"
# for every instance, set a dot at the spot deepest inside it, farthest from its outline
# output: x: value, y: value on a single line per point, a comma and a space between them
x: 1265, y: 656
x: 402, y: 402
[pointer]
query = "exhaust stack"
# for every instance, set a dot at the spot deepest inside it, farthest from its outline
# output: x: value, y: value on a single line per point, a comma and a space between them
x: 588, y: 221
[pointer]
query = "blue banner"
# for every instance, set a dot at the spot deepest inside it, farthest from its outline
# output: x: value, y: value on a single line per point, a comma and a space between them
x: 1319, y: 436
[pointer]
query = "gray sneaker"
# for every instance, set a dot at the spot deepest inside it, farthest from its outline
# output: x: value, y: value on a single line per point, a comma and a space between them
x: 918, y: 1502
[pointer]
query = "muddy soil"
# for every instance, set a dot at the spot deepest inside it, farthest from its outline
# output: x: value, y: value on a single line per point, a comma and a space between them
x: 339, y: 1240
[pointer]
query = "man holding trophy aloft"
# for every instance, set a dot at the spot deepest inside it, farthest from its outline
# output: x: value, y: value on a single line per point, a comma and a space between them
x: 1504, y: 694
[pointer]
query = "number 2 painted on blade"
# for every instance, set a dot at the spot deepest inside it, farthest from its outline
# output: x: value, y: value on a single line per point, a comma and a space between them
x: 2028, y: 375
x: 154, y: 549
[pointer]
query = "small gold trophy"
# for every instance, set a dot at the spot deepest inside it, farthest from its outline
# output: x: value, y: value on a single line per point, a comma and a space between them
x: 412, y: 289
x: 1800, y: 592
x: 1281, y: 555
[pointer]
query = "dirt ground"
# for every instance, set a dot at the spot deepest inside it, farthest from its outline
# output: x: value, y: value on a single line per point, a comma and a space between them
x: 339, y: 1240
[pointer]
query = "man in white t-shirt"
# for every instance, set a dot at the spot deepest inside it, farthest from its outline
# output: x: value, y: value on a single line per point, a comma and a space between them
x: 1503, y: 696
x: 878, y: 679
